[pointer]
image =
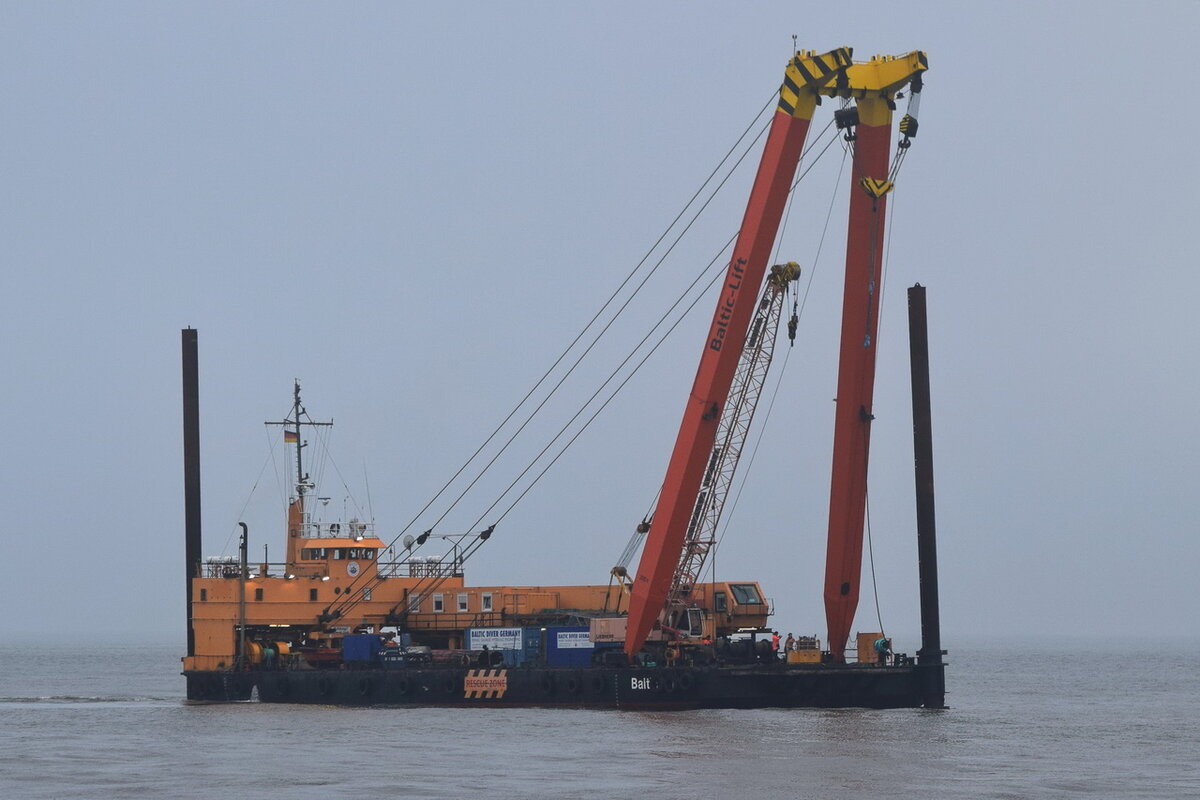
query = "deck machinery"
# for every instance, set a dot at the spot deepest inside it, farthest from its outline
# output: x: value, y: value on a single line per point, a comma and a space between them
x: 318, y: 629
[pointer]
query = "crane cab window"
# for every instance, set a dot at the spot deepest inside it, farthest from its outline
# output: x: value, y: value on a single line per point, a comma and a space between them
x: 745, y: 594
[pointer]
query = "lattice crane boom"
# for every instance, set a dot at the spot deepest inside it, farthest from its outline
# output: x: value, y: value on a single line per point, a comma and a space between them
x: 732, y: 433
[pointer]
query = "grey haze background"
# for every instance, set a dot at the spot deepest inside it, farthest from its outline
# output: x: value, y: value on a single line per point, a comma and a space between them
x: 414, y: 207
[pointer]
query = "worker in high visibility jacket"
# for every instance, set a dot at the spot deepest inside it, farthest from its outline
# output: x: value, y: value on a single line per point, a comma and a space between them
x: 883, y: 649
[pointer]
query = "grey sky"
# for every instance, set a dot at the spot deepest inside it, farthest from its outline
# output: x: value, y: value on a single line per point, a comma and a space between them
x: 414, y: 207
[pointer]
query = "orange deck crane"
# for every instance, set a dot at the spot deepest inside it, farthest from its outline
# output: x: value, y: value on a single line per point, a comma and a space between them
x: 874, y: 86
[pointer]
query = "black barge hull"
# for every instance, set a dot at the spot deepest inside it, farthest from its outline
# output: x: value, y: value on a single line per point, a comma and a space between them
x: 815, y: 686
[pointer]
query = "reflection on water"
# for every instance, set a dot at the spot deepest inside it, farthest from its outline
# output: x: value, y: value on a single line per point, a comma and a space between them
x: 1025, y: 721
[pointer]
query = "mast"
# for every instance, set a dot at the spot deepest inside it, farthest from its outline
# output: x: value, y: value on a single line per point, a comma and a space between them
x: 291, y: 434
x: 727, y: 334
x: 296, y: 409
x: 191, y: 470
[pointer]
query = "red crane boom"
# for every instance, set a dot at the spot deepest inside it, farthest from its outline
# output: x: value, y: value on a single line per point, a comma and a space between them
x: 871, y: 121
x: 805, y: 75
x: 874, y: 85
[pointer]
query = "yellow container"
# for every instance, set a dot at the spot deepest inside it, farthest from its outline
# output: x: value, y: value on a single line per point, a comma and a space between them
x: 866, y: 647
x: 804, y: 657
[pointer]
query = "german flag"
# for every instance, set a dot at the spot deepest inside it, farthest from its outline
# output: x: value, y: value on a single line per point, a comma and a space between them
x: 290, y: 437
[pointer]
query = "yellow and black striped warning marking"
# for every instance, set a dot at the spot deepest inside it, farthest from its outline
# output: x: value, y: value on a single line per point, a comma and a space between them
x: 806, y: 73
x: 485, y: 684
x: 875, y: 187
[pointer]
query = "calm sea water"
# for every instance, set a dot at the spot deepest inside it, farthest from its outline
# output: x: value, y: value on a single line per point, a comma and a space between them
x: 1026, y: 721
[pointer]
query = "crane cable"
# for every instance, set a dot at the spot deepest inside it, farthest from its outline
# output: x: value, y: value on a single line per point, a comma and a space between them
x: 783, y: 230
x: 632, y: 353
x: 586, y: 327
x: 908, y: 127
x: 616, y: 371
x: 603, y: 331
x: 345, y: 604
x: 342, y: 604
x: 887, y: 250
x: 779, y: 380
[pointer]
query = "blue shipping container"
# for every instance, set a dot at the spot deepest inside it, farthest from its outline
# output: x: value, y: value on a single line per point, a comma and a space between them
x: 568, y: 647
x: 361, y: 646
x: 532, y: 645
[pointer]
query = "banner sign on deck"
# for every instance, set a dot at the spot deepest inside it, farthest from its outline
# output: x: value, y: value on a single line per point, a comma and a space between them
x: 494, y: 638
x: 570, y: 640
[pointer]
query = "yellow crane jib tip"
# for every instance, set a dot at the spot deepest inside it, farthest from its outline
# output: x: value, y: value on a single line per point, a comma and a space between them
x: 806, y: 73
x: 882, y: 76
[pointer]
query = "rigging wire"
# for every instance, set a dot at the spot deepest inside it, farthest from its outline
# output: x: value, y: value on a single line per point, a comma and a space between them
x: 250, y: 496
x: 616, y: 371
x: 791, y: 195
x: 598, y: 314
x: 717, y: 274
x: 345, y: 603
x: 887, y: 249
x: 783, y: 369
x: 608, y: 325
x: 603, y: 331
x: 589, y: 325
x: 620, y: 386
x: 871, y: 560
x: 367, y: 484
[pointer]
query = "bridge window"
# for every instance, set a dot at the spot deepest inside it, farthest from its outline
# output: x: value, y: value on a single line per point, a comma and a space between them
x: 486, y: 601
x: 438, y: 605
x: 720, y: 602
x: 462, y: 603
x: 745, y: 593
x: 258, y: 594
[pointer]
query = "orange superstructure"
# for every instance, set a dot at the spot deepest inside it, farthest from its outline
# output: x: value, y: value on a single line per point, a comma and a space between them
x: 341, y: 578
x: 287, y: 601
